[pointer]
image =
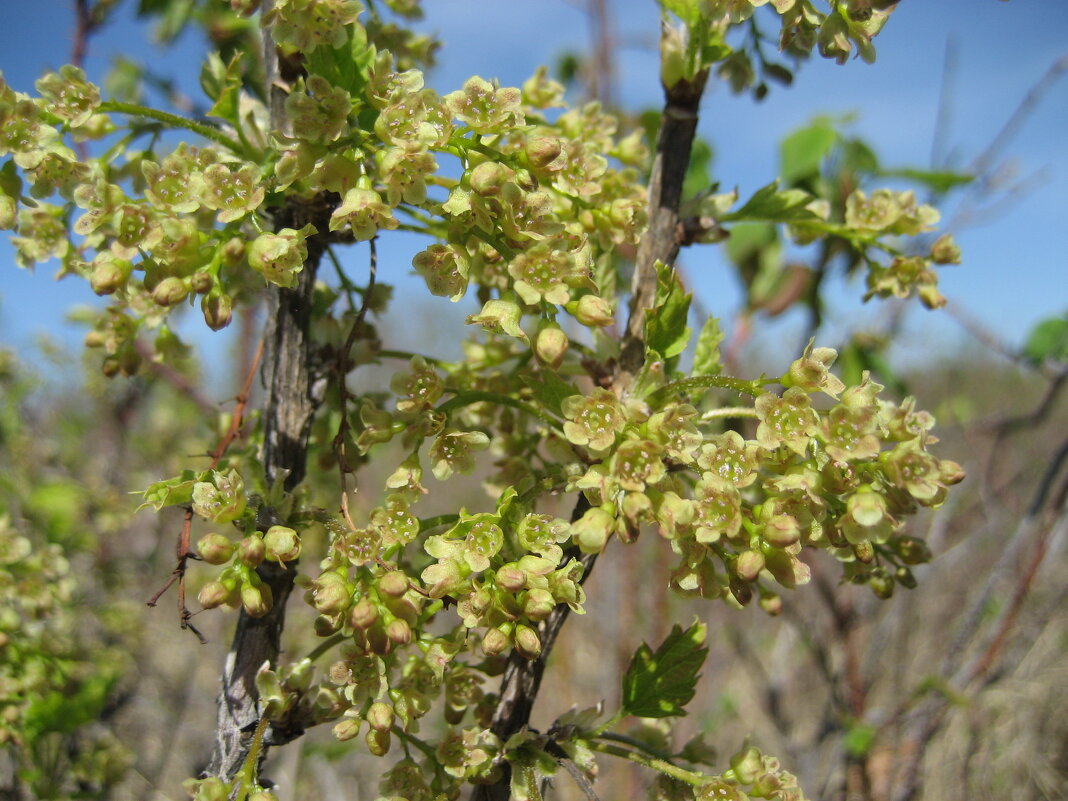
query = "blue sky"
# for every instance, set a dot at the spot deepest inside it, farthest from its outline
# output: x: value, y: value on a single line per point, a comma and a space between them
x: 1015, y: 269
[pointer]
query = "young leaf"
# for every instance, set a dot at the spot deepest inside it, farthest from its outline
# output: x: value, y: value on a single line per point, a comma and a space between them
x: 549, y: 389
x: 706, y: 358
x: 1048, y: 341
x: 172, y: 491
x: 346, y: 66
x: 660, y: 684
x: 772, y: 205
x: 802, y: 152
x: 665, y: 327
x: 222, y: 83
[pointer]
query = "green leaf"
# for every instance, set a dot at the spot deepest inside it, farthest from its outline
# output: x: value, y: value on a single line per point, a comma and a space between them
x: 1048, y: 340
x: 769, y: 204
x: 706, y: 357
x: 665, y: 324
x: 660, y: 684
x: 222, y: 83
x: 68, y: 710
x: 859, y: 738
x: 549, y: 389
x: 346, y: 66
x: 803, y: 151
x: 938, y: 180
x: 689, y: 11
x: 697, y: 177
x: 172, y: 491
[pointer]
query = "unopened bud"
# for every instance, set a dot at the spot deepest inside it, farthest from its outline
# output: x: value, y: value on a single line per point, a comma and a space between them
x: 749, y: 565
x: 511, y: 578
x: 213, y: 594
x: 364, y: 614
x: 527, y: 641
x: 217, y: 310
x: 251, y: 551
x: 539, y: 604
x: 945, y: 250
x: 864, y: 551
x: 201, y: 282
x: 591, y: 310
x: 551, y: 345
x: 488, y: 178
x: 378, y: 742
x: 257, y: 600
x: 325, y: 625
x: 881, y: 583
x: 393, y: 584
x: 494, y: 641
x: 215, y: 549
x: 108, y: 276
x: 771, y: 603
x: 399, y: 632
x: 380, y: 716
x: 543, y: 150
x: 95, y: 339
x: 330, y: 593
x: 346, y: 729
x: 170, y: 291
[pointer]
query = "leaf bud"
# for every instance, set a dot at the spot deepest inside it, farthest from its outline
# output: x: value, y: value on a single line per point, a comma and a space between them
x: 380, y: 716
x: 494, y: 642
x: 591, y: 310
x: 170, y: 291
x: 251, y: 551
x: 213, y: 594
x: 393, y: 584
x: 399, y: 632
x: 215, y: 549
x: 217, y: 310
x: 378, y: 742
x: 281, y: 544
x: 527, y: 641
x: 511, y: 578
x: 749, y: 565
x: 346, y: 729
x: 364, y: 614
x: 257, y: 600
x: 550, y: 345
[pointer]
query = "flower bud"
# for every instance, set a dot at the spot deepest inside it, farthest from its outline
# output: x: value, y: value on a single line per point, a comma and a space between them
x: 904, y: 577
x: 398, y: 631
x: 325, y: 625
x: 945, y: 250
x: 591, y: 531
x: 527, y: 641
x: 511, y: 578
x: 591, y: 310
x: 771, y: 603
x: 494, y: 642
x: 864, y: 551
x: 377, y: 742
x: 257, y: 600
x: 749, y: 565
x: 364, y: 614
x: 380, y: 716
x: 170, y: 291
x: 210, y: 789
x: 488, y: 178
x: 881, y: 583
x: 393, y: 584
x: 346, y: 729
x: 330, y: 593
x: 95, y: 339
x: 263, y: 795
x: 213, y: 594
x: 251, y: 551
x: 747, y: 764
x: 109, y: 275
x: 281, y: 543
x: 217, y: 310
x: 201, y: 282
x: 912, y: 551
x: 782, y: 531
x: 551, y: 345
x: 539, y: 604
x: 542, y: 151
x: 215, y: 549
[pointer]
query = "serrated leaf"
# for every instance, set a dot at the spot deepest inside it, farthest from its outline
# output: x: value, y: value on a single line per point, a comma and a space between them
x: 803, y: 151
x: 666, y: 331
x: 659, y: 684
x: 770, y: 204
x: 346, y: 66
x: 222, y: 83
x: 706, y: 356
x: 1048, y: 340
x: 172, y: 491
x: 549, y: 389
x: 689, y: 11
